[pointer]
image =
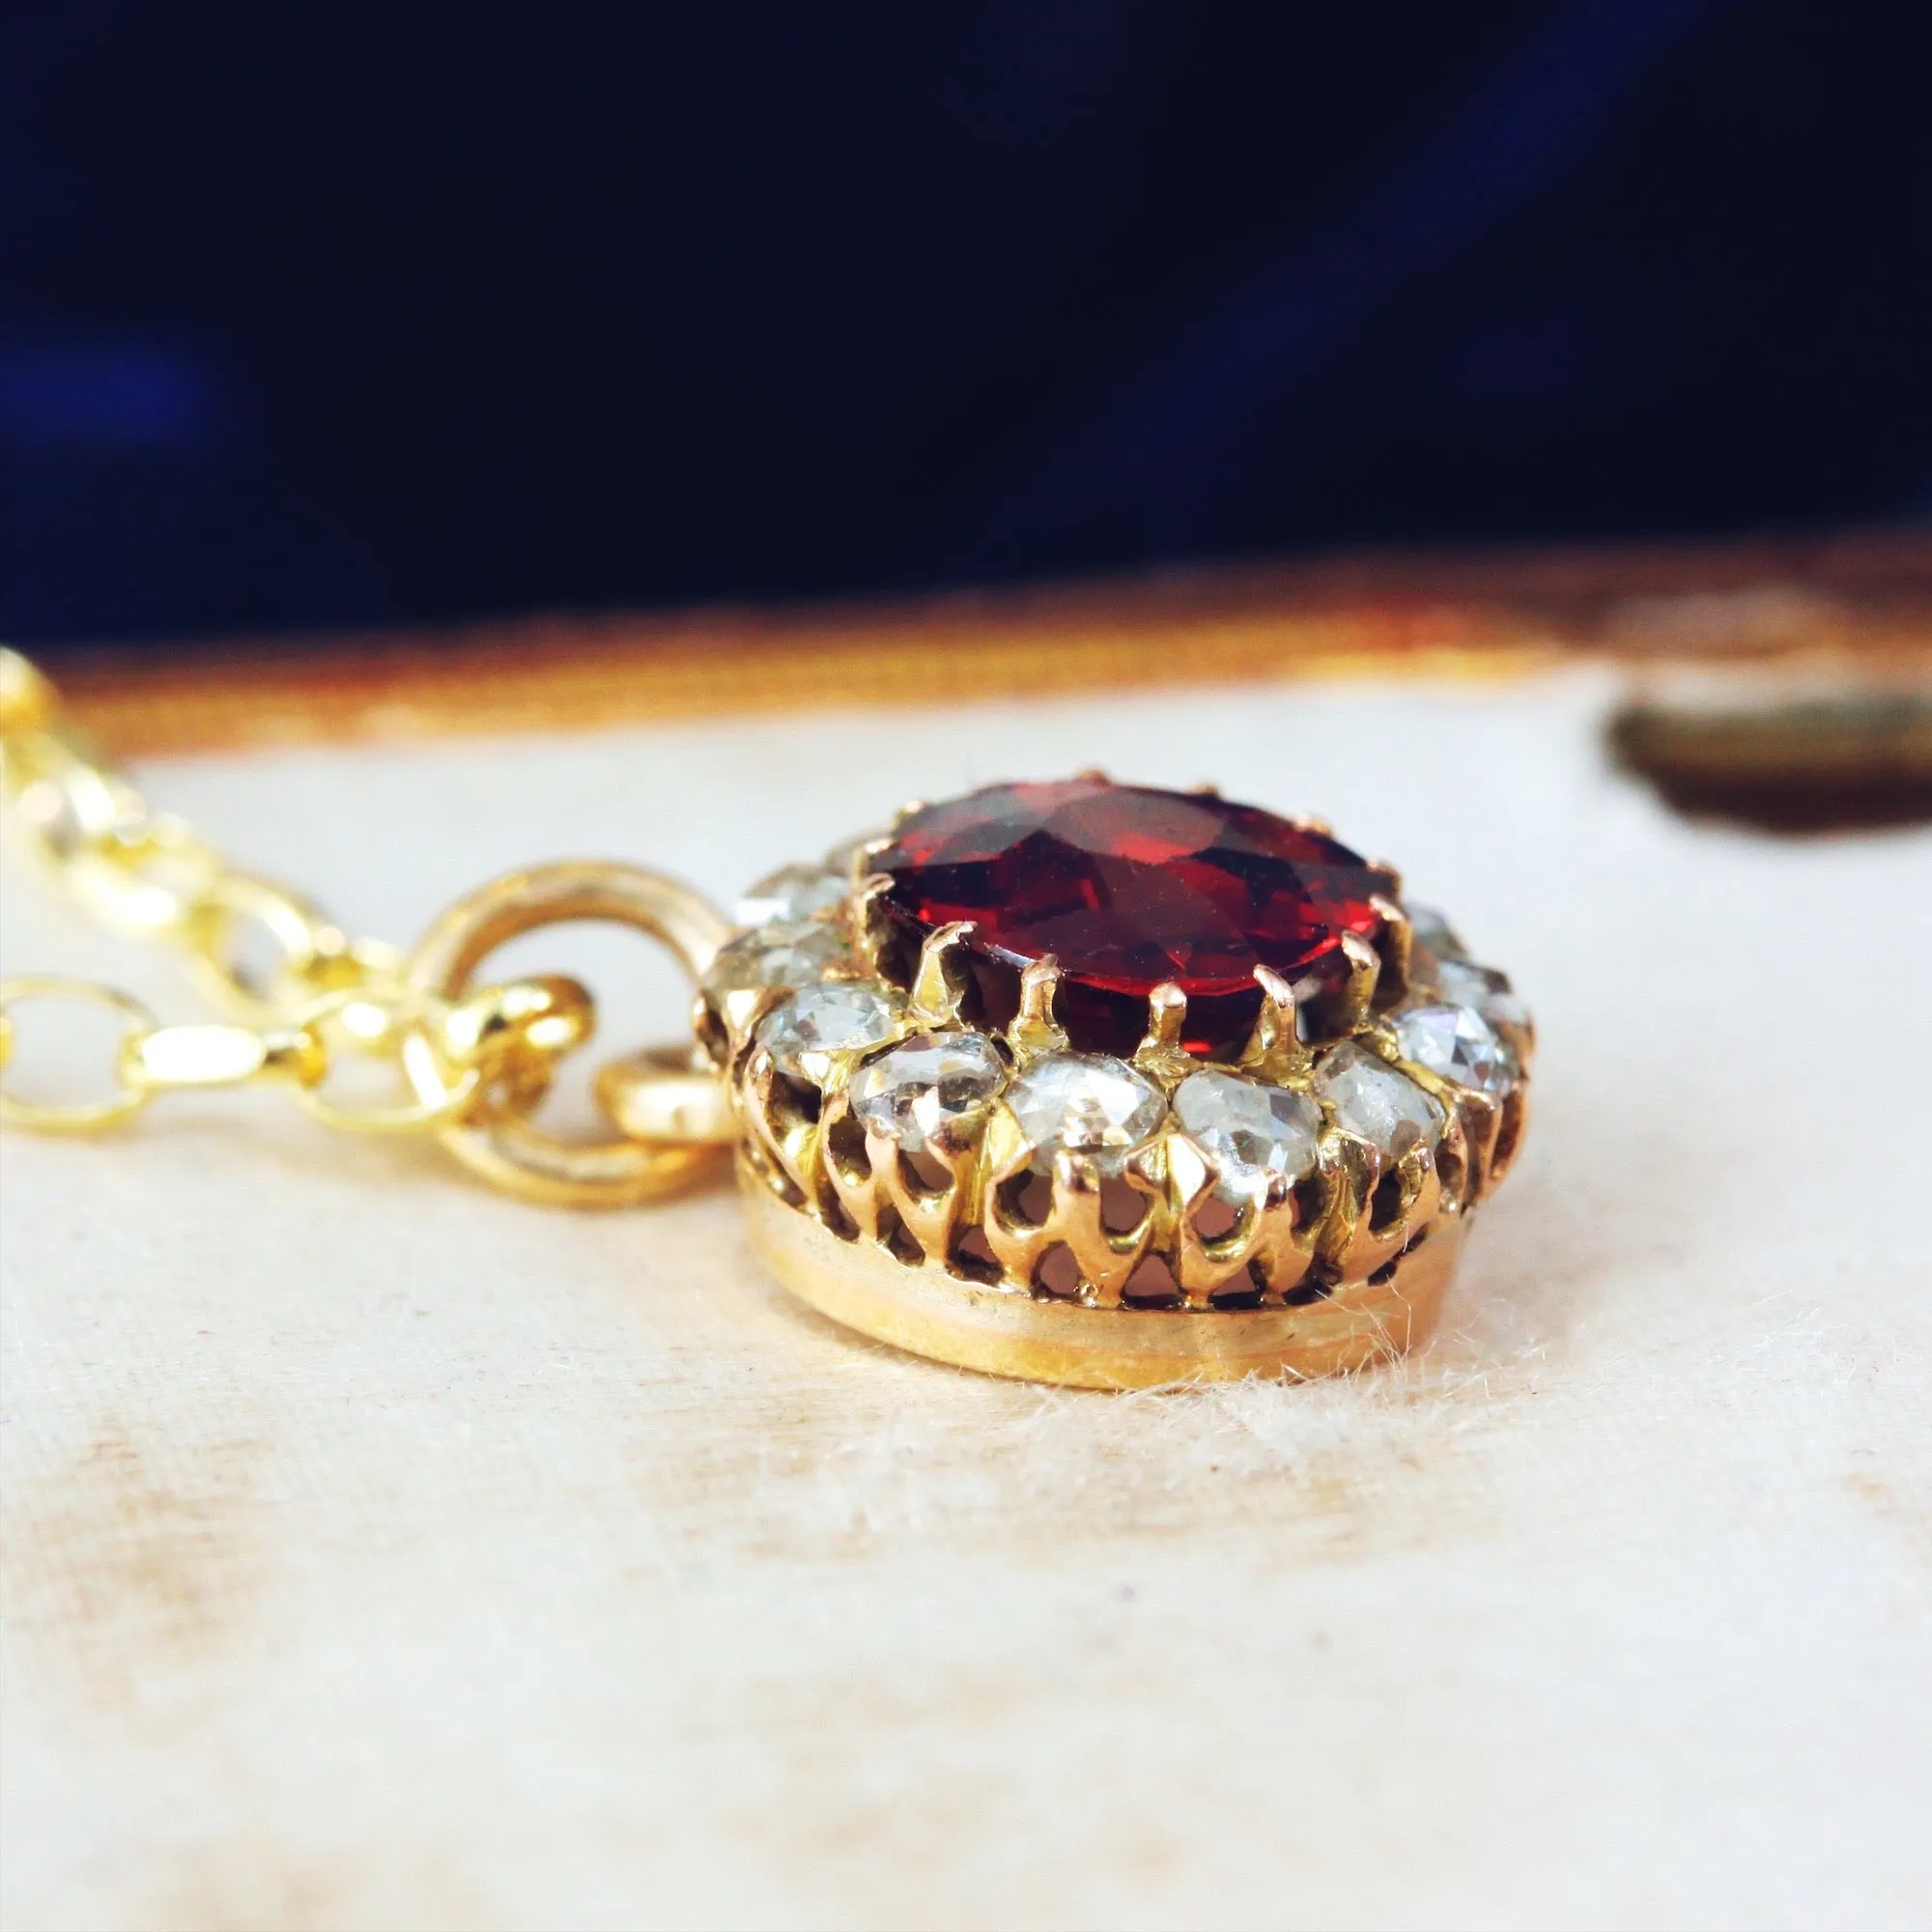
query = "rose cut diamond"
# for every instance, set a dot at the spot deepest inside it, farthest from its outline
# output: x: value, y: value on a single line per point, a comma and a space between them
x: 779, y: 954
x: 793, y: 893
x: 1087, y: 1102
x: 841, y: 1016
x: 1487, y: 991
x: 1247, y: 1129
x: 1431, y: 932
x: 1459, y: 1044
x: 927, y: 1085
x: 1376, y: 1103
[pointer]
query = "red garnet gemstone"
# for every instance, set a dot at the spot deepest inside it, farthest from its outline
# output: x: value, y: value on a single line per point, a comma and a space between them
x: 1128, y: 887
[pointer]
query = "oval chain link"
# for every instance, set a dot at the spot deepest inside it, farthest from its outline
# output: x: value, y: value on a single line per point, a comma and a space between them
x: 475, y: 1062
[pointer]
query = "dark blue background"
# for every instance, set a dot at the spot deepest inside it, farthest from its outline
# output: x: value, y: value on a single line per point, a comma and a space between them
x: 379, y: 313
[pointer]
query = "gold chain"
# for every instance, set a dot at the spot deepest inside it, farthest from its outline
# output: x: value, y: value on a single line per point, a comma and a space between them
x: 476, y: 1063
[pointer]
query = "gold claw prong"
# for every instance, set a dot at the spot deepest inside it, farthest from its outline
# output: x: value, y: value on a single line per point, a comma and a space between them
x: 1274, y: 1051
x: 1160, y: 1052
x: 1034, y: 1030
x: 939, y: 981
x: 1094, y: 773
x: 866, y: 921
x: 1203, y: 790
x: 790, y: 1140
x: 1106, y: 1261
x: 866, y: 859
x: 1365, y: 969
x: 909, y: 810
x: 1393, y: 947
x: 1307, y: 821
x: 856, y: 1186
x: 1391, y: 873
x: 1167, y: 1013
x: 725, y: 1021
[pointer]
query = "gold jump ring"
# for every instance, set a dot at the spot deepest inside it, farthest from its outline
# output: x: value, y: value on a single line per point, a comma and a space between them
x: 513, y: 1152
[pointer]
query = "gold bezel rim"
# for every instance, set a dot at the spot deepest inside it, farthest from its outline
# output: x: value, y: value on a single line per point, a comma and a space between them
x: 1004, y: 1331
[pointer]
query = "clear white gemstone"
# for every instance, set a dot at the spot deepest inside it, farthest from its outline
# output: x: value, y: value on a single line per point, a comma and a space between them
x: 1376, y: 1103
x: 1246, y: 1128
x: 1460, y: 1044
x: 1430, y: 930
x: 1090, y: 1102
x: 1488, y: 992
x: 841, y: 1016
x: 927, y: 1083
x: 780, y: 954
x: 791, y: 893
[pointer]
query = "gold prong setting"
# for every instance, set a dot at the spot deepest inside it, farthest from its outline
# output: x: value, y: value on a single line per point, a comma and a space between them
x: 1367, y: 1112
x: 1298, y: 1170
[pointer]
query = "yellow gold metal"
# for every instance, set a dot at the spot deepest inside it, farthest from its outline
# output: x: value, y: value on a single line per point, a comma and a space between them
x: 1006, y: 1331
x: 939, y: 980
x: 866, y: 921
x: 1365, y: 970
x: 514, y: 1035
x: 218, y: 1054
x: 127, y: 1097
x: 476, y: 1061
x: 667, y: 1094
x: 313, y: 955
x: 1089, y: 1262
x: 1034, y: 1030
x: 451, y: 1098
x: 508, y: 1150
x: 1136, y: 1265
x: 1160, y: 1052
x: 1268, y: 1242
x: 1274, y: 1052
x: 1394, y: 944
x: 864, y: 857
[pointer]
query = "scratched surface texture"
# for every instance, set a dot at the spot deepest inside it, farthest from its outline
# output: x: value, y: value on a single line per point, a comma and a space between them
x: 383, y: 1554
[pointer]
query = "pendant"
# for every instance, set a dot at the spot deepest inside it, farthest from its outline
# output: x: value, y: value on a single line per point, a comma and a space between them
x: 1080, y: 1082
x: 1096, y: 1084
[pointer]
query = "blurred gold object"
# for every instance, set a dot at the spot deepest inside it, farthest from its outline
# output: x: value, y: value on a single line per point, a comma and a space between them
x: 1831, y: 750
x: 474, y: 1063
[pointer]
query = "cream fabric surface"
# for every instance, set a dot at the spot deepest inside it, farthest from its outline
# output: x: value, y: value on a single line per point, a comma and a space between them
x: 385, y: 1553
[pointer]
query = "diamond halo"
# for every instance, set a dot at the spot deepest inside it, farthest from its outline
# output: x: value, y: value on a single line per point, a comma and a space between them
x: 1395, y: 1043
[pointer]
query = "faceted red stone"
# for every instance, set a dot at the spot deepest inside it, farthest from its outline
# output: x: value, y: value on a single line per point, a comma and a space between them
x: 1128, y: 887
